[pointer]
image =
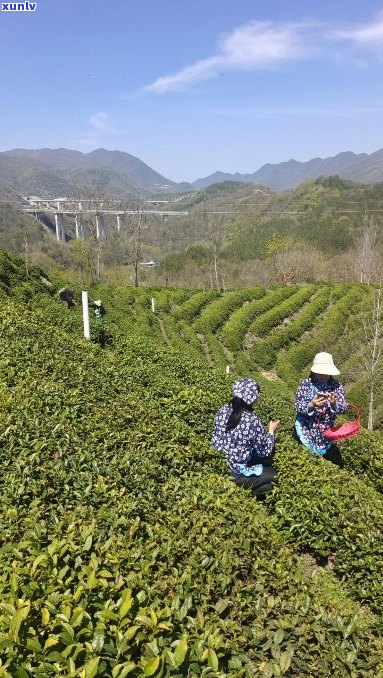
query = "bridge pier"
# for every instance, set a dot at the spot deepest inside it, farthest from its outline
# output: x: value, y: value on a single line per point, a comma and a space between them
x: 79, y: 227
x: 59, y: 221
x: 100, y: 226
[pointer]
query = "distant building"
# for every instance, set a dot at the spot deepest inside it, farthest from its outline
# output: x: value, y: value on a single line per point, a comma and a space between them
x: 151, y: 263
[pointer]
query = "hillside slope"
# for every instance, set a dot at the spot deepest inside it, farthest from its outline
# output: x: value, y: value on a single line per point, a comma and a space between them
x: 126, y: 549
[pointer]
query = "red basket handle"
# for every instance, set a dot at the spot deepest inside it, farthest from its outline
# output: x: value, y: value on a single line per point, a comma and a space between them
x: 356, y: 409
x: 350, y: 406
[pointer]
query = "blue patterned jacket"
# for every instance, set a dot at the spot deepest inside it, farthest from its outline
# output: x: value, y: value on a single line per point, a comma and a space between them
x: 310, y: 423
x: 245, y: 439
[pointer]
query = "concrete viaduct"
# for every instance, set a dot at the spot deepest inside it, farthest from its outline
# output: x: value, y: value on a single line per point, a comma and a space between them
x: 78, y: 210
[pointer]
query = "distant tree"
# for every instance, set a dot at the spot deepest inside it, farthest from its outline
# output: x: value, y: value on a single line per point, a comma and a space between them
x: 367, y: 248
x: 139, y: 224
x: 278, y: 250
x: 171, y: 266
x: 81, y: 257
x: 135, y: 224
x: 372, y: 323
x: 301, y: 263
x: 335, y: 181
x: 278, y: 243
x: 94, y: 203
x: 215, y: 227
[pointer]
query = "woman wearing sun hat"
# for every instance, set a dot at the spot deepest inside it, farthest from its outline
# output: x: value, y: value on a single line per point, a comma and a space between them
x: 99, y: 310
x: 240, y: 435
x: 318, y: 400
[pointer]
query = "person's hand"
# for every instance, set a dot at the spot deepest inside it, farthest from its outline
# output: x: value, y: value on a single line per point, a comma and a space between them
x: 318, y: 400
x: 332, y: 400
x: 273, y: 425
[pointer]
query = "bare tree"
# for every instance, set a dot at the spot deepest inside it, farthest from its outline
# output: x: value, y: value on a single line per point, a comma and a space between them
x: 367, y: 250
x: 278, y: 251
x: 372, y: 323
x: 136, y: 224
x: 94, y: 204
x: 139, y: 220
x: 215, y: 230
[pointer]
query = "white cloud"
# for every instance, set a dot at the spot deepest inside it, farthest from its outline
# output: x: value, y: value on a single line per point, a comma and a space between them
x: 370, y: 35
x: 264, y: 44
x: 98, y: 132
x: 99, y: 121
x: 252, y: 46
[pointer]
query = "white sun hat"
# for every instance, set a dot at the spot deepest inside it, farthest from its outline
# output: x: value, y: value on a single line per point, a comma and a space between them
x: 324, y: 364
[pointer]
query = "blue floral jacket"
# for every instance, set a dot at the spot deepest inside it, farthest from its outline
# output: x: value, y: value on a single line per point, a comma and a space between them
x: 240, y: 444
x: 309, y: 424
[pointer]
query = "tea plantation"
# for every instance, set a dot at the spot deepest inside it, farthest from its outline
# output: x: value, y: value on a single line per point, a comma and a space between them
x: 125, y: 548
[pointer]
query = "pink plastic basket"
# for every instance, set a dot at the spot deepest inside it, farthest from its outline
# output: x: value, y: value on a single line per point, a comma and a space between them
x: 346, y: 430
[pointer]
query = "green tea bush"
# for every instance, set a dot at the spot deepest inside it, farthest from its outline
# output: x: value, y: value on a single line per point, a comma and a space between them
x: 127, y: 551
x: 192, y: 307
x: 264, y: 352
x: 162, y: 300
x: 124, y: 551
x: 215, y: 351
x: 334, y: 516
x: 179, y: 296
x: 105, y: 572
x: 267, y: 321
x: 181, y: 337
x: 188, y: 334
x: 363, y: 455
x: 216, y: 313
x: 18, y: 280
x: 291, y: 364
x: 234, y: 330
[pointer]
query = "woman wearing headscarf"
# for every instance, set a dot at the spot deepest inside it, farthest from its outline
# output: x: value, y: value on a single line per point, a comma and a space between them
x: 318, y: 400
x: 241, y: 436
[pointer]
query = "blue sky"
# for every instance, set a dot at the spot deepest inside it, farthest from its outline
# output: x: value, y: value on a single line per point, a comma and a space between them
x: 192, y: 87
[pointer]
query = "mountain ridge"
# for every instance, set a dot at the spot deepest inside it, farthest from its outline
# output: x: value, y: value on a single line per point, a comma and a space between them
x: 116, y: 172
x: 66, y: 172
x: 288, y: 174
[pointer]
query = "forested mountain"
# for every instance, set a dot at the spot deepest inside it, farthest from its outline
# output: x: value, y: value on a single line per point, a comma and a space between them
x: 48, y: 172
x: 281, y: 176
x: 318, y: 231
x: 62, y: 171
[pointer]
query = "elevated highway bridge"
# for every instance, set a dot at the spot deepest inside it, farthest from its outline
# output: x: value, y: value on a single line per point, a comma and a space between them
x: 78, y: 210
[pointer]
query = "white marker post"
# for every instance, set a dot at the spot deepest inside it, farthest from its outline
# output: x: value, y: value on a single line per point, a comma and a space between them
x: 85, y: 314
x: 227, y: 369
x: 153, y: 305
